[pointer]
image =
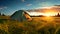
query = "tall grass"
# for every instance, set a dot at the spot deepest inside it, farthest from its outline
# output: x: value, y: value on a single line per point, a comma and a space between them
x: 33, y: 27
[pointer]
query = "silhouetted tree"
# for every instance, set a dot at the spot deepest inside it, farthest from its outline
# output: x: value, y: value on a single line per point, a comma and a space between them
x: 0, y: 14
x: 3, y: 14
x: 58, y: 14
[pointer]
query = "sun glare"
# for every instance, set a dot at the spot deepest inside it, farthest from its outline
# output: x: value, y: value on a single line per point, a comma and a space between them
x: 48, y: 14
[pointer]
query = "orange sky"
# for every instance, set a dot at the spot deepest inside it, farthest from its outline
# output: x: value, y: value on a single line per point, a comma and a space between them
x: 46, y: 11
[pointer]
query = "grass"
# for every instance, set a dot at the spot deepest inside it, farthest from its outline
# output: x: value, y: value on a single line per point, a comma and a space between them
x: 40, y: 25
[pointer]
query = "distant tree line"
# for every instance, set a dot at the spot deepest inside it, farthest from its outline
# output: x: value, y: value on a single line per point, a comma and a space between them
x: 2, y: 14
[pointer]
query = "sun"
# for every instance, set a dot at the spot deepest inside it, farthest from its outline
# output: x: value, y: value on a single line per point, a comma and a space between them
x: 48, y: 15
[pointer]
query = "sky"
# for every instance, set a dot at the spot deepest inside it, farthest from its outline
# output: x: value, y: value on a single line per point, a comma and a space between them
x: 8, y: 7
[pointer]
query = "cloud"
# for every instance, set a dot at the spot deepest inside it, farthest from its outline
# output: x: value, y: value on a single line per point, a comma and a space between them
x: 2, y: 7
x: 23, y: 0
x: 37, y: 1
x: 56, y: 5
x: 28, y: 4
x: 22, y: 8
x: 49, y: 7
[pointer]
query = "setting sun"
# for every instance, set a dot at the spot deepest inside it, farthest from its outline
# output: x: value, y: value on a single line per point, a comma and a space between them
x: 44, y: 14
x: 50, y: 14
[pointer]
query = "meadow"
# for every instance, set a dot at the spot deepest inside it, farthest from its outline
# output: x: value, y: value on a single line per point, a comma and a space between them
x: 39, y: 25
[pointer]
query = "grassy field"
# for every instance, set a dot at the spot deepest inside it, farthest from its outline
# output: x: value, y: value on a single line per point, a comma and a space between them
x: 39, y: 25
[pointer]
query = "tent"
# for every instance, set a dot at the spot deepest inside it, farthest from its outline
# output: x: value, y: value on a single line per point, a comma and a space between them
x: 21, y: 15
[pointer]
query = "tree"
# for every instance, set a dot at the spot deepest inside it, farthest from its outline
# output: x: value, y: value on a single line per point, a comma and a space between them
x: 0, y: 14
x: 3, y: 14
